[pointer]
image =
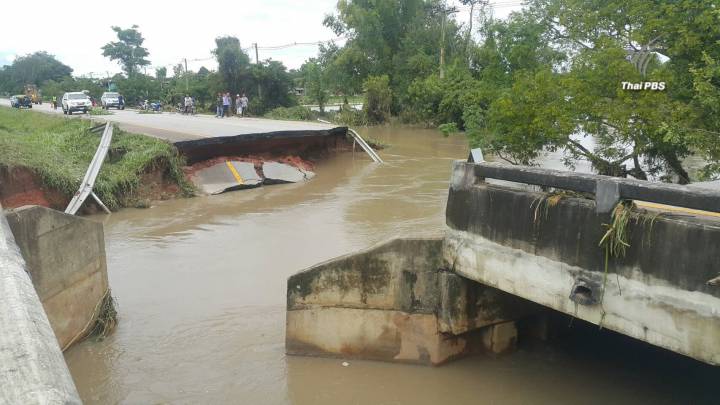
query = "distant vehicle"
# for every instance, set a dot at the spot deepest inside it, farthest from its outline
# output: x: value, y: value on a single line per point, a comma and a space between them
x: 33, y: 93
x: 76, y: 101
x: 20, y: 100
x: 111, y: 99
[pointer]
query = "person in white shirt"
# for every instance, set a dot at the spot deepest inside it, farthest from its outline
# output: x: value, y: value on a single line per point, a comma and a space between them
x: 243, y: 105
x: 188, y: 104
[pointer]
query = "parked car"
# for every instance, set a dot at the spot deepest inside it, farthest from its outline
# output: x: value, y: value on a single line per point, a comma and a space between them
x: 76, y: 101
x: 112, y: 99
x: 20, y: 100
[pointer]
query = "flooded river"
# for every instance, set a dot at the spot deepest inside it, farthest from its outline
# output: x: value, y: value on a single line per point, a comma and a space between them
x: 200, y: 285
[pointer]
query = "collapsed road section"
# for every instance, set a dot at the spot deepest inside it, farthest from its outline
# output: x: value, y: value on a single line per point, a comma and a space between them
x: 238, y: 162
x: 236, y: 173
x: 303, y: 143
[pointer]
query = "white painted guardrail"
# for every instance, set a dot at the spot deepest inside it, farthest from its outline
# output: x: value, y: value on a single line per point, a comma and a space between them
x: 32, y: 367
x: 369, y: 150
x: 88, y: 182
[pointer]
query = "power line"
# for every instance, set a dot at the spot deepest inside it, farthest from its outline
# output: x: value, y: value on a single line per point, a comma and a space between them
x: 292, y: 44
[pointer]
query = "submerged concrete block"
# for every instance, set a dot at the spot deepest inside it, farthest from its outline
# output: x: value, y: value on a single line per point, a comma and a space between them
x: 226, y: 176
x: 500, y: 338
x: 275, y: 172
x: 65, y: 257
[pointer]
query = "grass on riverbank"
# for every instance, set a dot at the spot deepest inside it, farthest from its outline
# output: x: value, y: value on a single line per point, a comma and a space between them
x: 58, y: 150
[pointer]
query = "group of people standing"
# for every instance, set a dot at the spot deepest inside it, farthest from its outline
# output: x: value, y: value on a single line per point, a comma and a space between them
x: 224, y: 103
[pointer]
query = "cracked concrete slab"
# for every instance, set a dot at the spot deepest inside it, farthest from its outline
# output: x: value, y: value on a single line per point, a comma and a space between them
x: 275, y: 173
x: 227, y: 176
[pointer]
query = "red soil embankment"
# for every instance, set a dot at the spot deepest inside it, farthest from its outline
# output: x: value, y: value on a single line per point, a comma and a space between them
x: 21, y: 186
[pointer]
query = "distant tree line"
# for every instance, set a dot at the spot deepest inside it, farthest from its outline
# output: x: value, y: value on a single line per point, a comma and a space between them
x: 267, y: 84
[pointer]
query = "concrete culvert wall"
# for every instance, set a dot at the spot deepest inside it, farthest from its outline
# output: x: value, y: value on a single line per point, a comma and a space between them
x: 65, y: 258
x: 32, y: 367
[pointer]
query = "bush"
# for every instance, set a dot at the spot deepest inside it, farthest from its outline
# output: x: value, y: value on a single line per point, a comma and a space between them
x: 448, y: 128
x: 378, y: 99
x: 297, y: 113
x: 349, y: 117
x: 434, y: 101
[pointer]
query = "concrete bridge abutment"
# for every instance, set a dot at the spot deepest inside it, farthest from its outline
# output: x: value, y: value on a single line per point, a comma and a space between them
x: 398, y: 302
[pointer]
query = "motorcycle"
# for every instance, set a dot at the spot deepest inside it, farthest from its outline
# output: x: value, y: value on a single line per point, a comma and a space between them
x: 147, y: 106
x: 181, y: 109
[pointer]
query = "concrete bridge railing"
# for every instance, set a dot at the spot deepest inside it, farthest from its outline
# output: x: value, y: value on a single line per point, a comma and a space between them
x: 32, y: 367
x: 608, y: 190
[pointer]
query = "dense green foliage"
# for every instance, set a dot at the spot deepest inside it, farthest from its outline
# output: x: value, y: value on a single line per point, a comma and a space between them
x: 60, y: 149
x: 378, y: 98
x: 34, y: 68
x: 548, y: 78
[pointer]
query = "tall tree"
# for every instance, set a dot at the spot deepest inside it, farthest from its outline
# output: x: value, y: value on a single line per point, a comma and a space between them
x: 34, y: 68
x: 398, y: 38
x: 128, y: 50
x: 233, y: 64
x: 316, y: 82
x: 471, y: 18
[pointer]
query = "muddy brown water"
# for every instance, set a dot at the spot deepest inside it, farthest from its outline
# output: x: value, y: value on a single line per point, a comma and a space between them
x: 200, y: 285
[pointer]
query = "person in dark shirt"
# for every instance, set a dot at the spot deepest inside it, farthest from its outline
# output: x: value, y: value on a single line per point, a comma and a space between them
x: 219, y: 105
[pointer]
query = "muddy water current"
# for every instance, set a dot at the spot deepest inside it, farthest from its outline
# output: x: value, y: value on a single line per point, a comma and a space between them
x: 200, y: 285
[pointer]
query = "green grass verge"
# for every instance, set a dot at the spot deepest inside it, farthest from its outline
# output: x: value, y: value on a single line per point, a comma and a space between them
x: 99, y: 111
x: 59, y: 151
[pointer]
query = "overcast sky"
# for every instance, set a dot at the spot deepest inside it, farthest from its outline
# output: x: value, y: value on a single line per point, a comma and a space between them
x: 172, y: 30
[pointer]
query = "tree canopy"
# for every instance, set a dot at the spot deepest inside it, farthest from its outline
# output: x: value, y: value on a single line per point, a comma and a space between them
x: 128, y: 50
x: 35, y: 68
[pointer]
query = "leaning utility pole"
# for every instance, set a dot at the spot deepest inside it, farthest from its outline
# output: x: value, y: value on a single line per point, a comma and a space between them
x: 187, y: 86
x: 445, y: 12
x: 257, y: 62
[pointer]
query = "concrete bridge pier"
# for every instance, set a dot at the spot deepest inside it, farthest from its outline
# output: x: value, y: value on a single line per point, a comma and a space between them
x: 398, y: 301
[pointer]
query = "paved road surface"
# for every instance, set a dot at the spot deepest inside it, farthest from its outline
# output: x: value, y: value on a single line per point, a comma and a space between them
x: 176, y: 127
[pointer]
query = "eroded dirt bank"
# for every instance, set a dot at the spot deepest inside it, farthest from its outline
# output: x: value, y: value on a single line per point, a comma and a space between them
x: 23, y: 186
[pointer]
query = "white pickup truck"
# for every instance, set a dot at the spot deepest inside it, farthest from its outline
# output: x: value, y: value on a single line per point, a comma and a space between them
x: 111, y: 99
